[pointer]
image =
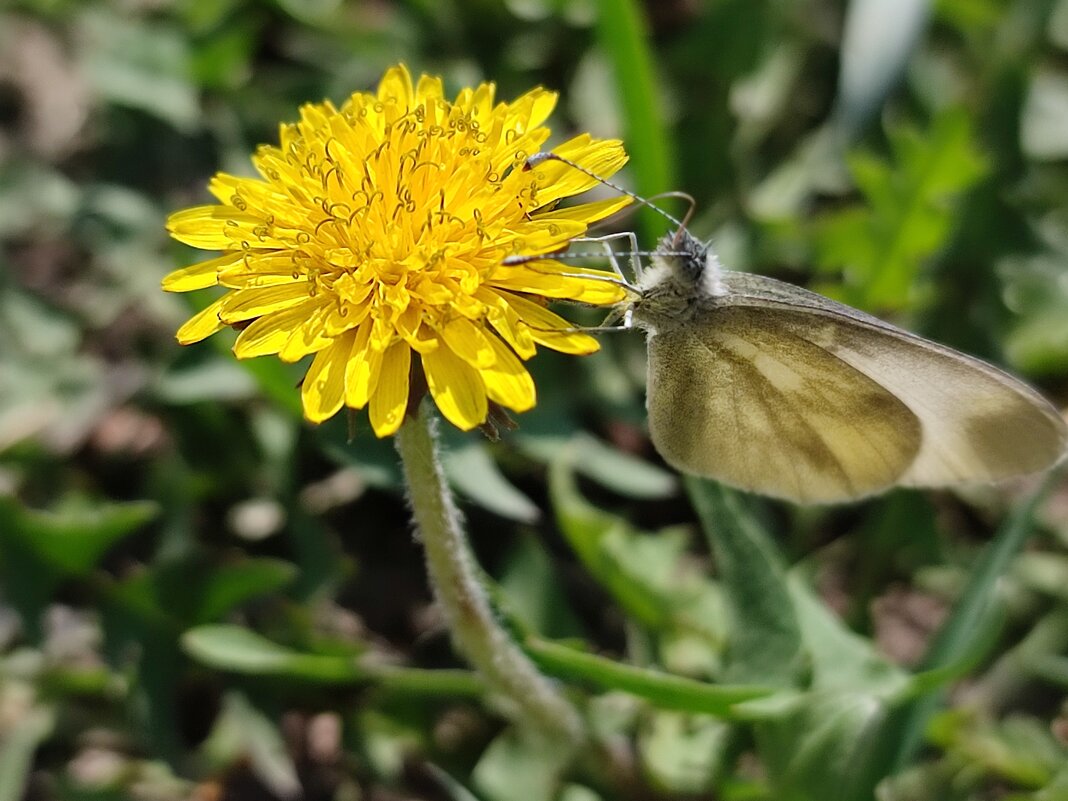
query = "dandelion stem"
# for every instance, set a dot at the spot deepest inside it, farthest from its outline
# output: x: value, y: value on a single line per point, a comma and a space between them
x: 457, y: 587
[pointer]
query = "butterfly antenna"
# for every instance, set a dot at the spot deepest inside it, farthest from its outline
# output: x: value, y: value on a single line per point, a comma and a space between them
x: 545, y: 155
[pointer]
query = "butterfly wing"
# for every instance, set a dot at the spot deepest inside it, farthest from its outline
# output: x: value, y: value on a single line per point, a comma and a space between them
x: 781, y: 391
x: 743, y: 400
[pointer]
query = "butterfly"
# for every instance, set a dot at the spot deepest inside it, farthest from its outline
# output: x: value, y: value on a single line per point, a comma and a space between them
x: 774, y: 389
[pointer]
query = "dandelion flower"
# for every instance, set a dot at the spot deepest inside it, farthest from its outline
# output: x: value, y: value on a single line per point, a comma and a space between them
x: 375, y: 239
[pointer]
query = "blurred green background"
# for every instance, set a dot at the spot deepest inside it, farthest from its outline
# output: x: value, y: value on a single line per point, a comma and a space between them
x: 201, y: 596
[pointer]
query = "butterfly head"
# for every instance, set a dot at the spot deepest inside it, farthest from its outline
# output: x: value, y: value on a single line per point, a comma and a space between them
x: 684, y: 271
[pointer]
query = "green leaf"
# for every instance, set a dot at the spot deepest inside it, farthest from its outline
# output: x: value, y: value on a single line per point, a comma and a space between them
x: 530, y: 583
x: 244, y: 651
x: 39, y: 550
x: 455, y: 790
x: 664, y: 690
x: 240, y: 650
x: 17, y: 749
x: 764, y: 636
x: 1017, y: 749
x: 218, y: 379
x: 819, y: 750
x: 841, y: 660
x: 175, y: 593
x: 72, y: 539
x: 909, y: 215
x: 472, y: 471
x: 141, y: 65
x: 1044, y: 116
x: 620, y: 472
x: 876, y: 44
x: 516, y: 767
x: 243, y: 732
x: 1037, y: 342
x: 818, y: 744
x: 683, y: 754
x: 228, y: 586
x: 645, y: 574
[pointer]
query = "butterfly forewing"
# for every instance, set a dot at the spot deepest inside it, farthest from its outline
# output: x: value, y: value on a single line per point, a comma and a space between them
x: 788, y: 393
x: 744, y: 400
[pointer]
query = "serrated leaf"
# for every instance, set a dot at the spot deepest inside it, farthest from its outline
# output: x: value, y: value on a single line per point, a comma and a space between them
x: 764, y: 635
x: 908, y: 215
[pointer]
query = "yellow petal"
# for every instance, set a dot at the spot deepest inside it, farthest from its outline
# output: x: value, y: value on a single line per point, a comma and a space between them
x: 587, y: 212
x: 555, y: 280
x: 428, y: 88
x: 457, y: 388
x: 542, y: 236
x: 269, y: 333
x: 223, y: 186
x: 315, y: 332
x: 262, y: 268
x: 506, y: 322
x: 542, y: 107
x: 482, y: 101
x: 220, y: 228
x: 202, y: 325
x: 396, y: 85
x: 424, y: 340
x: 390, y: 399
x: 323, y: 390
x: 469, y: 342
x: 602, y: 157
x: 507, y: 381
x: 550, y: 329
x: 361, y: 373
x: 199, y: 276
x: 244, y: 304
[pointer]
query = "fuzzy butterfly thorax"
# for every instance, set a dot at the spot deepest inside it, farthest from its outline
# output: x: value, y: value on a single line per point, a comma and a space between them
x: 685, y: 275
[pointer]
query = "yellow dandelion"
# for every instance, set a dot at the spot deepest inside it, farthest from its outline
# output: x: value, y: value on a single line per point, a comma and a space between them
x: 376, y: 236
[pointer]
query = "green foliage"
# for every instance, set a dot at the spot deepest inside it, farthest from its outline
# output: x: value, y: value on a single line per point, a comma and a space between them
x: 201, y: 594
x: 909, y: 209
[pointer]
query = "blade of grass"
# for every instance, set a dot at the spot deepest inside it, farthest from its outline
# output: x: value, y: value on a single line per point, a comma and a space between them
x: 622, y: 34
x: 979, y: 606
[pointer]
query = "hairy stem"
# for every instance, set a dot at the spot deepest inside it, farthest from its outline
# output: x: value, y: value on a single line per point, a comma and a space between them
x: 454, y: 577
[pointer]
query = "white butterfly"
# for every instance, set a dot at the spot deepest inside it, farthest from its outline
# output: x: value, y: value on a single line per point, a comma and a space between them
x: 774, y: 389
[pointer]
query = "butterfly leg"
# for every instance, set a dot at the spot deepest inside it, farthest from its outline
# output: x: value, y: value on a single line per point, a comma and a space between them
x: 632, y: 254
